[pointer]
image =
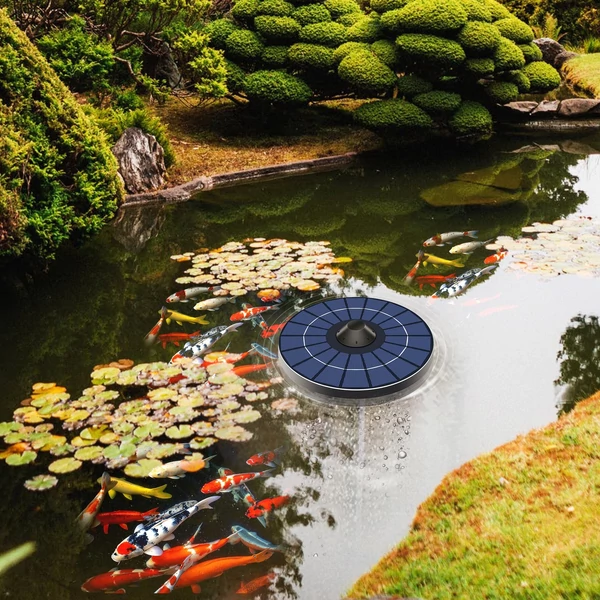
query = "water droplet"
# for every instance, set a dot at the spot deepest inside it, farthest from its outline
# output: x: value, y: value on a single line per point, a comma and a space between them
x: 329, y: 476
x: 385, y: 457
x: 402, y: 454
x: 362, y: 465
x: 315, y: 555
x: 377, y: 417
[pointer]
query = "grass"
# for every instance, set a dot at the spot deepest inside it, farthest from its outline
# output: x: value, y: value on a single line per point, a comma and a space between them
x: 583, y: 72
x: 520, y: 522
x: 223, y: 137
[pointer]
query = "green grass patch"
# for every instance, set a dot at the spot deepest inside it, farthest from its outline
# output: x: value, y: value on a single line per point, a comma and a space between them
x: 583, y: 72
x: 520, y: 522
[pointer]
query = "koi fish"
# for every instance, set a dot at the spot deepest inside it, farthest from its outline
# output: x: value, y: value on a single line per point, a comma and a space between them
x: 497, y: 257
x: 179, y: 468
x: 131, y: 489
x: 107, y: 582
x: 213, y: 303
x: 146, y: 537
x: 468, y: 247
x: 253, y: 540
x: 256, y: 347
x: 462, y: 282
x: 441, y: 238
x: 432, y: 280
x: 267, y: 505
x: 153, y: 333
x: 495, y: 309
x: 205, y: 341
x: 411, y: 274
x: 475, y: 301
x: 121, y: 517
x: 247, y: 369
x: 242, y: 494
x: 175, y: 338
x: 173, y: 510
x: 269, y: 295
x: 88, y: 515
x: 173, y: 315
x: 225, y: 484
x: 436, y: 260
x: 223, y: 357
x: 256, y: 584
x: 250, y: 312
x: 271, y: 330
x: 269, y: 458
x: 17, y: 448
x: 185, y: 295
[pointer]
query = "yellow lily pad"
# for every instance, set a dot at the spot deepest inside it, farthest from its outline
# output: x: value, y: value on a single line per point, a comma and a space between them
x: 16, y: 460
x: 64, y: 465
x: 79, y: 442
x: 233, y: 433
x: 141, y: 468
x: 89, y: 453
x: 199, y: 443
x: 93, y: 433
x: 162, y: 393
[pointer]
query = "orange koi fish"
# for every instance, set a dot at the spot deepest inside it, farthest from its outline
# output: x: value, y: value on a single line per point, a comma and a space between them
x: 153, y: 333
x: 432, y: 280
x: 121, y: 517
x: 257, y: 583
x: 87, y: 517
x: 269, y: 295
x: 17, y: 448
x: 246, y: 369
x: 241, y: 493
x: 250, y: 311
x: 411, y: 274
x: 271, y: 458
x: 272, y: 330
x: 227, y: 483
x: 172, y: 557
x: 107, y: 582
x: 267, y: 505
x: 500, y: 254
x: 175, y: 338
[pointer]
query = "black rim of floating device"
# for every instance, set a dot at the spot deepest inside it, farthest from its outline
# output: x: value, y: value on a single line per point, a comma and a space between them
x: 355, y: 348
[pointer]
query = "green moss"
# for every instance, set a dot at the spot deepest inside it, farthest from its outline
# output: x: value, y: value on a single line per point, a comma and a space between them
x: 479, y: 67
x: 476, y: 10
x: 245, y: 10
x: 219, y: 30
x: 508, y: 56
x: 543, y: 77
x: 342, y: 51
x: 311, y: 13
x: 395, y: 114
x: 382, y: 6
x: 337, y: 8
x: 479, y: 39
x: 311, y: 56
x: 438, y: 102
x: 411, y: 85
x: 470, y: 119
x: 515, y: 30
x: 326, y: 34
x: 501, y: 92
x: 275, y: 56
x: 531, y: 52
x: 275, y: 8
x: 429, y: 50
x: 366, y: 30
x: 244, y: 44
x: 386, y: 52
x: 430, y: 16
x: 277, y: 29
x: 366, y: 73
x: 276, y: 88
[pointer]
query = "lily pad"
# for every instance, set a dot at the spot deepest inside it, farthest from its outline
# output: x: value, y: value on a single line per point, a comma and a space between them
x: 77, y: 415
x: 192, y: 401
x: 233, y: 433
x: 151, y: 430
x: 62, y: 450
x: 16, y: 436
x: 162, y: 393
x: 179, y: 432
x: 40, y: 442
x: 111, y: 452
x: 105, y: 375
x: 64, y: 465
x: 33, y: 417
x: 122, y: 427
x: 46, y: 399
x: 127, y: 378
x: 242, y: 416
x: 183, y: 413
x: 16, y: 460
x: 7, y: 427
x: 199, y: 443
x: 223, y: 378
x: 41, y: 483
x: 53, y: 442
x: 79, y: 442
x: 127, y: 450
x: 141, y: 468
x: 229, y: 405
x: 108, y: 438
x: 93, y: 390
x: 219, y: 367
x: 164, y: 451
x: 144, y: 448
x: 93, y: 433
x: 89, y: 453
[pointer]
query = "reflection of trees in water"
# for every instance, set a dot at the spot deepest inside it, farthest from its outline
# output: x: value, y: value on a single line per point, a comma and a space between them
x: 579, y: 358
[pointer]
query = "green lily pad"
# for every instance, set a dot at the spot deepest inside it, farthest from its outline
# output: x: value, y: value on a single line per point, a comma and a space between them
x: 55, y: 440
x: 151, y: 430
x: 40, y: 442
x: 92, y: 391
x: 79, y: 442
x: 160, y: 405
x: 229, y: 389
x: 61, y: 450
x: 105, y: 376
x: 128, y: 377
x: 183, y: 413
x: 126, y: 450
x: 179, y: 432
x: 106, y: 396
x: 223, y: 378
x: 16, y: 436
x: 203, y: 428
x: 219, y: 367
x: 191, y: 401
x: 145, y: 447
x: 162, y: 394
x: 16, y: 460
x: 92, y: 433
x: 89, y: 453
x: 50, y: 409
x: 77, y: 415
x: 64, y: 465
x: 46, y: 399
x: 111, y: 452
x: 242, y: 416
x: 233, y: 433
x: 41, y: 483
x: 229, y: 405
x: 108, y: 438
x: 142, y: 467
x: 137, y: 418
x: 122, y: 427
x: 164, y: 451
x: 197, y: 375
x: 44, y: 427
x: 7, y: 427
x: 199, y: 443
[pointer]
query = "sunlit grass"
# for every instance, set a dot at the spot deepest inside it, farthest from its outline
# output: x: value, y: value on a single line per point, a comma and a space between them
x: 520, y: 523
x: 584, y: 72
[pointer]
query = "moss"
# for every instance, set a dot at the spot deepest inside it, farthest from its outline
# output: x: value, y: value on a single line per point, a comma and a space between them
x: 326, y: 34
x: 430, y: 16
x: 219, y: 30
x: 515, y: 30
x: 275, y: 8
x: 337, y: 8
x: 276, y: 87
x: 479, y: 67
x: 508, y: 56
x: 479, y: 39
x: 366, y: 73
x: 244, y: 44
x: 311, y: 13
x: 366, y: 30
x: 277, y: 29
x: 543, y: 77
x: 382, y: 6
x: 476, y: 10
x: 531, y: 52
x: 342, y: 51
x: 438, y: 102
x: 501, y: 92
x: 411, y: 85
x: 471, y: 119
x: 394, y: 114
x: 245, y: 10
x: 386, y: 52
x: 429, y: 50
x: 311, y: 56
x: 275, y: 56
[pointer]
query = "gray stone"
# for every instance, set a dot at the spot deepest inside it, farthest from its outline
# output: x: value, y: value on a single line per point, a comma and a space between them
x: 550, y: 48
x: 575, y: 107
x: 562, y: 57
x: 546, y: 107
x: 522, y: 107
x: 573, y: 147
x: 141, y: 160
x: 167, y: 69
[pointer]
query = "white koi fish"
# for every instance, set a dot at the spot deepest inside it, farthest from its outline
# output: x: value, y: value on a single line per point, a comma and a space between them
x: 212, y: 303
x: 468, y: 247
x: 441, y: 238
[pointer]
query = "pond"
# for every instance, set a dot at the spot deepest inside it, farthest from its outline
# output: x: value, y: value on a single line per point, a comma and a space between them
x: 355, y: 474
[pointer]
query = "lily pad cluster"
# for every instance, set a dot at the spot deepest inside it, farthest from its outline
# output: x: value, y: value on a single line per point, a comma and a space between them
x: 569, y: 245
x: 259, y: 264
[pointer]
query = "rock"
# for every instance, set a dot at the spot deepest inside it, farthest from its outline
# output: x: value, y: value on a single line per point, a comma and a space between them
x: 522, y: 107
x: 562, y: 57
x: 141, y: 160
x: 546, y: 107
x: 161, y: 65
x: 574, y: 107
x: 573, y: 147
x: 134, y: 226
x: 550, y: 49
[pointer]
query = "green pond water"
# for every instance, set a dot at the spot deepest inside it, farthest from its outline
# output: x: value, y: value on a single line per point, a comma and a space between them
x: 356, y: 474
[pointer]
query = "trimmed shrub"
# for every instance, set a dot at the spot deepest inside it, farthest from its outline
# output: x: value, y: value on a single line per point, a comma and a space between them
x: 479, y: 39
x: 382, y: 6
x: 245, y: 10
x: 392, y: 114
x: 311, y: 13
x: 476, y: 10
x: 342, y: 51
x: 219, y: 30
x: 437, y: 102
x: 543, y: 77
x: 337, y: 8
x: 430, y: 50
x: 430, y: 16
x: 508, y: 56
x: 497, y: 10
x: 235, y: 77
x: 275, y: 56
x: 479, y: 67
x: 276, y: 87
x: 531, y: 52
x: 350, y: 19
x: 277, y: 29
x: 411, y: 85
x: 275, y: 8
x: 366, y: 73
x: 385, y: 51
x: 326, y: 34
x: 471, y: 119
x: 520, y: 80
x: 311, y: 56
x: 515, y: 30
x: 366, y: 30
x: 244, y: 44
x: 502, y: 92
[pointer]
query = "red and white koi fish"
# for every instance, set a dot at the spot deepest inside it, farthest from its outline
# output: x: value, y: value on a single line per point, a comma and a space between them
x: 176, y: 337
x: 121, y: 517
x: 87, y: 517
x: 432, y: 280
x: 112, y: 581
x: 441, y: 238
x: 497, y: 257
x: 152, y: 335
x: 412, y: 273
x: 185, y: 295
x: 269, y: 458
x: 271, y: 330
x: 257, y: 583
x: 250, y: 312
x: 242, y: 494
x: 227, y: 483
x: 267, y: 505
x: 246, y: 369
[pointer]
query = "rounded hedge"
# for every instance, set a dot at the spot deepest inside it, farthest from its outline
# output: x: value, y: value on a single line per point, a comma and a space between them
x: 342, y: 51
x: 520, y: 80
x: 311, y: 13
x: 497, y: 10
x: 350, y: 19
x: 411, y: 85
x: 366, y: 73
x: 438, y: 102
x: 479, y: 67
x: 515, y: 30
x: 275, y: 56
x: 311, y: 56
x: 531, y: 52
x: 508, y: 56
x: 429, y: 50
x: 395, y: 113
x: 385, y: 51
x: 244, y: 44
x: 479, y: 39
x: 382, y: 6
x: 366, y: 30
x: 476, y: 10
x: 275, y: 8
x: 502, y: 92
x: 235, y: 76
x: 337, y: 8
x: 326, y: 34
x: 276, y: 87
x: 219, y: 30
x: 430, y: 16
x: 543, y: 77
x: 277, y: 29
x: 245, y: 10
x: 471, y: 118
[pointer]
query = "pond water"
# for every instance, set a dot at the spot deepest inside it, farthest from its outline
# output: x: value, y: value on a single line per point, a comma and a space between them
x: 356, y: 474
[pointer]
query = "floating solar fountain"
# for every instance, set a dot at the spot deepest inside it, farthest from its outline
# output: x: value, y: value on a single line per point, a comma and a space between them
x: 355, y: 348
